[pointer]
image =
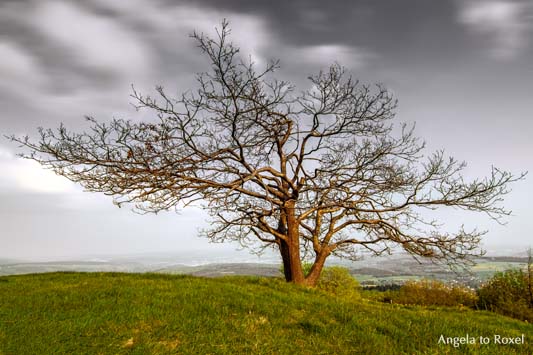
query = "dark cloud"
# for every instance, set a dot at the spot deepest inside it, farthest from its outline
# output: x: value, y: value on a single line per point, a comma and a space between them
x: 391, y: 28
x: 461, y: 69
x: 407, y: 35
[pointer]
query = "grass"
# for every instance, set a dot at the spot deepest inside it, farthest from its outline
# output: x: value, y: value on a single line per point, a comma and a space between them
x: 112, y: 313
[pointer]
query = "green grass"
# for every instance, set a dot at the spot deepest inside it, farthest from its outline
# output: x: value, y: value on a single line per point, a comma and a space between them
x: 111, y: 313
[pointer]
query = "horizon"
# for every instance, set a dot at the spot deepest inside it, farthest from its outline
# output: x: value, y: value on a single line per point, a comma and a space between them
x: 192, y: 256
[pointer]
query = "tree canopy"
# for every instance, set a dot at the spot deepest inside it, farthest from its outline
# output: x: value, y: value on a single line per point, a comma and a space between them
x: 311, y: 173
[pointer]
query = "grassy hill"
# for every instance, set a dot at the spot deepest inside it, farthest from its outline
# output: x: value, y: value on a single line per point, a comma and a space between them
x: 112, y: 313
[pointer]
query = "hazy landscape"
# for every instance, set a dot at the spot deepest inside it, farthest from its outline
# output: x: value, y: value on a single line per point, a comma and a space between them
x: 388, y: 270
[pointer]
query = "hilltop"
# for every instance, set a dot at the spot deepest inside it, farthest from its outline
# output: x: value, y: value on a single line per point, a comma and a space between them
x: 115, y: 313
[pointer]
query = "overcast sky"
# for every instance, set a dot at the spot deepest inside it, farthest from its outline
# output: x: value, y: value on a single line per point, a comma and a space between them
x: 461, y: 69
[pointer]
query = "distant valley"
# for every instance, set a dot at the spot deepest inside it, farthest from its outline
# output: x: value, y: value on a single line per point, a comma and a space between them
x: 369, y: 271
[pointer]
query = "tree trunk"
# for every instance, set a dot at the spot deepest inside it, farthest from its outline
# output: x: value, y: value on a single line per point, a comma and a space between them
x: 284, y: 248
x: 292, y: 265
x: 285, y: 257
x: 316, y: 269
x: 290, y: 249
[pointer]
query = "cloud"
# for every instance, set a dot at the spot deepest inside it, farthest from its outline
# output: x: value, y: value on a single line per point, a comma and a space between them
x: 19, y: 69
x: 252, y: 32
x: 93, y: 42
x: 507, y: 22
x: 61, y: 60
x: 326, y: 54
x: 19, y: 174
x: 168, y: 27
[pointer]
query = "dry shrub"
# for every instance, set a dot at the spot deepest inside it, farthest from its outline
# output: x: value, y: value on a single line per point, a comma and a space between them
x: 432, y: 292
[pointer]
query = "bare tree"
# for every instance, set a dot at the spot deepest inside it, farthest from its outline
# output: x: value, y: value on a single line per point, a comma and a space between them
x: 317, y: 173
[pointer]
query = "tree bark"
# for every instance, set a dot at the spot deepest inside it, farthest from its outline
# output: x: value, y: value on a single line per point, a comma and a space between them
x: 292, y: 265
x: 285, y: 257
x: 316, y: 269
x: 284, y: 248
x: 290, y: 249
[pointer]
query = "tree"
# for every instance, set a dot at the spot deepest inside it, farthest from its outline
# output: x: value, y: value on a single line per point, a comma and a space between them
x: 313, y: 174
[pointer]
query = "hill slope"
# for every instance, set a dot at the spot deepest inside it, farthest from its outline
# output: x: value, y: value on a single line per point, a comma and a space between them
x: 109, y: 313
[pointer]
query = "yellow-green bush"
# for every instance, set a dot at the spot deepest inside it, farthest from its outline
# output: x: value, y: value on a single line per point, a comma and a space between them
x: 432, y: 292
x: 337, y: 280
x: 507, y: 293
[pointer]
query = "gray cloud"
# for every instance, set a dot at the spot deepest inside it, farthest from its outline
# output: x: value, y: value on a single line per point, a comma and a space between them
x: 64, y: 59
x: 507, y: 23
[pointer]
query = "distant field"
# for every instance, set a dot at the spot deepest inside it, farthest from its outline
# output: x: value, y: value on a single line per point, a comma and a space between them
x: 112, y: 313
x: 494, y: 266
x: 390, y: 279
x: 372, y: 270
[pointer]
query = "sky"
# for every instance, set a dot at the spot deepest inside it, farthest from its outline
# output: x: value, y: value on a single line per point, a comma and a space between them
x: 462, y: 70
